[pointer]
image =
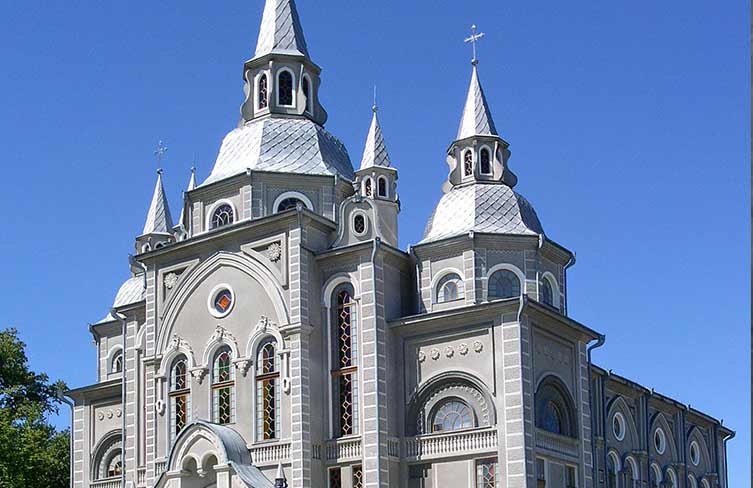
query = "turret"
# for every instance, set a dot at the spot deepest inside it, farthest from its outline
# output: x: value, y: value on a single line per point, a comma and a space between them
x: 158, y: 228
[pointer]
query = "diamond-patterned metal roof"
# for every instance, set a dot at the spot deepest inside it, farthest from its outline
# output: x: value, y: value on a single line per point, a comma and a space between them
x: 131, y: 291
x: 375, y: 151
x: 476, y: 119
x: 283, y: 145
x: 158, y: 219
x: 481, y: 207
x: 280, y: 30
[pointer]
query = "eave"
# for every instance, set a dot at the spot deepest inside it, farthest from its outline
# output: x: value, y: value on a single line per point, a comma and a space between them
x: 96, y: 391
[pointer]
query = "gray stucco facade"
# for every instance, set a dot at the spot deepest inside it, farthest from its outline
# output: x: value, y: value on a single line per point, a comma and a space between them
x: 276, y: 334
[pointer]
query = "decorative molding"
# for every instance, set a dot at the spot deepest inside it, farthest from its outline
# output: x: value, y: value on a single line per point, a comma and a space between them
x: 274, y: 252
x: 478, y: 346
x: 463, y: 348
x: 170, y: 280
x: 449, y: 351
x: 435, y: 354
x: 199, y: 373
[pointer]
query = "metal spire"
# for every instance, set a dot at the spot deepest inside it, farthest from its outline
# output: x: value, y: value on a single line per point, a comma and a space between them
x: 191, y: 186
x: 375, y: 151
x: 280, y: 30
x: 158, y: 219
x: 476, y: 119
x: 473, y: 39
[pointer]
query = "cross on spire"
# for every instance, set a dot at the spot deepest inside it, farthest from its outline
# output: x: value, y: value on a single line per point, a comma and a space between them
x: 374, y: 107
x: 473, y: 39
x: 160, y: 151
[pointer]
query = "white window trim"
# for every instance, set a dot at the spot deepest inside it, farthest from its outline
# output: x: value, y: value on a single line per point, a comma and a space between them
x: 114, y: 351
x: 692, y: 483
x: 292, y: 194
x: 662, y: 447
x: 697, y: 459
x: 616, y: 460
x: 210, y: 382
x: 366, y: 222
x: 657, y: 473
x: 386, y: 187
x: 491, y: 160
x: 509, y: 267
x: 634, y: 466
x: 672, y: 478
x: 621, y: 420
x: 363, y: 187
x: 444, y: 272
x: 210, y: 302
x: 215, y: 206
x: 462, y: 163
x: 549, y: 276
x: 277, y: 87
x: 309, y: 108
x: 256, y: 98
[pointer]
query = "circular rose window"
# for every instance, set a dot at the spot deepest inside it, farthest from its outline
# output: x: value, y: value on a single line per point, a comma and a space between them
x: 221, y: 301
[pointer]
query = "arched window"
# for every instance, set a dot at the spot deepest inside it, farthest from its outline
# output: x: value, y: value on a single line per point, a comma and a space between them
x: 289, y: 203
x: 382, y: 187
x: 692, y: 483
x: 450, y: 288
x: 655, y: 476
x: 117, y: 363
x: 305, y: 86
x: 267, y: 391
x: 547, y: 295
x: 180, y: 396
x: 344, y: 364
x: 671, y: 479
x: 631, y: 474
x: 555, y: 412
x: 222, y: 215
x: 115, y: 466
x: 285, y: 88
x: 367, y: 190
x: 485, y: 159
x: 262, y: 94
x: 359, y: 224
x: 468, y: 163
x: 612, y: 471
x: 452, y: 414
x: 223, y: 387
x: 504, y: 284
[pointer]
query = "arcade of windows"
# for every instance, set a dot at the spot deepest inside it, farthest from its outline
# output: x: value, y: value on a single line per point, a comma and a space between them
x: 285, y: 90
x: 484, y: 160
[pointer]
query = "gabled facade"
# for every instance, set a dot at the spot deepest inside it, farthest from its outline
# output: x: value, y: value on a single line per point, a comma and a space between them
x: 276, y: 335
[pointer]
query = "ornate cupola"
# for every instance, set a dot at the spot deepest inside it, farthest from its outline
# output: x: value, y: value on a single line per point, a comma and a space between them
x: 281, y: 78
x: 158, y: 228
x: 376, y: 178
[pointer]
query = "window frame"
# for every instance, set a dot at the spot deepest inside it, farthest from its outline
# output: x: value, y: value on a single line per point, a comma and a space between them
x: 440, y: 281
x: 292, y: 194
x: 278, y: 85
x: 216, y: 387
x: 214, y: 208
x: 481, y: 160
x: 261, y: 379
x: 435, y: 410
x: 257, y: 91
x: 618, y: 418
x: 467, y: 168
x: 382, y: 187
x: 344, y: 371
x: 175, y: 395
x: 500, y: 268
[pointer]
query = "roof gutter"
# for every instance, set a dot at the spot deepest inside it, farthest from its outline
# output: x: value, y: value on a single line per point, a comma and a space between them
x: 122, y: 321
x: 136, y: 263
x: 570, y: 263
x: 61, y: 396
x: 599, y: 342
x: 377, y: 242
x: 726, y: 475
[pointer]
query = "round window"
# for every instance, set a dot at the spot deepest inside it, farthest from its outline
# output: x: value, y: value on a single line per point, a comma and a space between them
x: 221, y: 301
x: 359, y: 224
x: 618, y: 426
x: 695, y: 455
x: 660, y: 441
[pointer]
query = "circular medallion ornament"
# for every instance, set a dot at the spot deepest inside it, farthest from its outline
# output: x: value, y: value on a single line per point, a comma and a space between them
x: 478, y: 346
x: 449, y: 352
x: 171, y: 279
x: 435, y: 354
x: 421, y: 356
x: 221, y: 301
x: 463, y: 348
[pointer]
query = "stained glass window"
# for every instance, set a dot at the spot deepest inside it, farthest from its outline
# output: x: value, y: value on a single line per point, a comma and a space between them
x: 307, y: 93
x: 267, y: 391
x: 552, y: 421
x: 452, y: 415
x: 263, y: 94
x: 450, y: 288
x: 334, y: 478
x: 468, y: 163
x: 179, y: 396
x: 289, y: 204
x: 285, y: 88
x: 359, y: 224
x: 382, y: 186
x: 547, y: 295
x: 223, y: 215
x: 357, y: 477
x: 504, y: 284
x: 223, y: 300
x: 486, y: 167
x: 344, y: 362
x: 367, y: 190
x: 486, y: 474
x: 115, y: 466
x: 554, y: 408
x: 223, y: 387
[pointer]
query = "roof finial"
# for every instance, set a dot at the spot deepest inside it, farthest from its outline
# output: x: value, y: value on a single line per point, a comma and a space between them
x: 375, y: 107
x: 160, y: 151
x: 473, y: 39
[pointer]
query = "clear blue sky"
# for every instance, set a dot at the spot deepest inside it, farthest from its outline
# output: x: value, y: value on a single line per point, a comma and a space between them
x: 628, y: 124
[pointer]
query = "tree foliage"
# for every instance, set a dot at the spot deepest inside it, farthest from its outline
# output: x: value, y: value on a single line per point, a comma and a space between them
x: 32, y: 452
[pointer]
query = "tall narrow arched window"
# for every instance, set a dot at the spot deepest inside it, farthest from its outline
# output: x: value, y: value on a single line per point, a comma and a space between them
x: 306, y: 88
x: 285, y: 88
x: 117, y: 363
x: 485, y: 161
x: 382, y: 186
x: 267, y: 391
x: 262, y: 92
x: 547, y: 295
x: 504, y: 284
x: 655, y: 475
x: 223, y: 387
x: 344, y: 364
x: 611, y: 472
x: 367, y: 188
x: 631, y: 474
x: 222, y: 215
x: 468, y: 163
x: 450, y: 287
x: 180, y: 396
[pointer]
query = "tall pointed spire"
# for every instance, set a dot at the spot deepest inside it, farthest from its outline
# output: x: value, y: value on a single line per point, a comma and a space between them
x: 158, y: 220
x: 476, y: 119
x: 191, y: 186
x: 375, y: 151
x: 280, y: 30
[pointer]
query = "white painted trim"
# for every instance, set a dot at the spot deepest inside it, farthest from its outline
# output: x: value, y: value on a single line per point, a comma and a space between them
x: 217, y: 341
x: 634, y: 466
x: 657, y: 472
x: 363, y: 187
x: 255, y: 95
x: 692, y: 483
x: 616, y: 460
x: 672, y: 477
x: 292, y: 194
x: 210, y: 301
x: 661, y: 448
x: 215, y: 206
x: 547, y: 275
x: 441, y: 274
x: 463, y: 152
x: 491, y: 160
x: 386, y: 187
x: 623, y: 425
x: 696, y: 460
x: 509, y: 267
x: 333, y: 282
x: 111, y: 357
x: 366, y: 222
x: 277, y: 86
x: 705, y: 483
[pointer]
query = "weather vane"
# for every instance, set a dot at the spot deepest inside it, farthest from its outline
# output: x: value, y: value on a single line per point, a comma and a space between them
x: 160, y: 152
x: 473, y: 39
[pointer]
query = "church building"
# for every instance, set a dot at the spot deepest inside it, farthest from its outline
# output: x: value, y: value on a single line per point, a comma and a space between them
x: 275, y: 335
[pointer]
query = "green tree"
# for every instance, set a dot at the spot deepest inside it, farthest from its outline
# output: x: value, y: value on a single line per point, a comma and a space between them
x: 32, y: 452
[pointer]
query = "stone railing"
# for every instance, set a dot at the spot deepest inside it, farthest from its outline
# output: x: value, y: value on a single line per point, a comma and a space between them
x: 559, y: 444
x: 141, y: 476
x: 108, y: 483
x: 393, y: 447
x: 269, y: 453
x: 159, y: 468
x: 429, y: 446
x: 342, y: 449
